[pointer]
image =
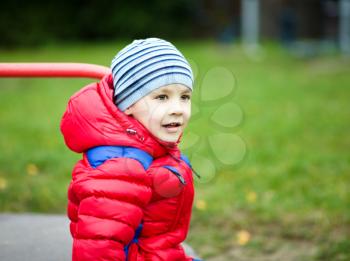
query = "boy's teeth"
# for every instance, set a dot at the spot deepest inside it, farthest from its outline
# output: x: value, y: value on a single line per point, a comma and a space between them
x: 172, y: 124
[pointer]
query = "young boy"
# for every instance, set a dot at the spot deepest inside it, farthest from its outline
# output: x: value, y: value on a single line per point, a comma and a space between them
x: 131, y: 195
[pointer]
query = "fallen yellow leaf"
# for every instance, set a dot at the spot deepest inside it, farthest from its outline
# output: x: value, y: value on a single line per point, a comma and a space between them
x: 201, y: 204
x: 251, y: 197
x: 32, y: 169
x: 3, y: 183
x: 243, y: 237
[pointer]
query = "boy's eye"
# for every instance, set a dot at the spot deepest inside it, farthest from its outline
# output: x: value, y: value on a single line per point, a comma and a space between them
x: 161, y: 97
x: 186, y: 97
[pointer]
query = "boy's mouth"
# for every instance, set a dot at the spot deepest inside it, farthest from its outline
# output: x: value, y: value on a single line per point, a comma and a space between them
x: 172, y: 125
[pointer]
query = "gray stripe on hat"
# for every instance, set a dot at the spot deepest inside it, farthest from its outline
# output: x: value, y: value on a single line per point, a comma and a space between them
x: 136, y: 55
x: 157, y: 69
x: 152, y: 62
x: 165, y: 72
x: 126, y: 65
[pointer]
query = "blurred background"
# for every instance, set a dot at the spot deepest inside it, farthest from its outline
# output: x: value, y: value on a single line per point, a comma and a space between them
x: 271, y: 115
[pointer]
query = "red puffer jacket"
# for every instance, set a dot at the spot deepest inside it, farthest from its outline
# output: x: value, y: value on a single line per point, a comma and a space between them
x: 131, y: 194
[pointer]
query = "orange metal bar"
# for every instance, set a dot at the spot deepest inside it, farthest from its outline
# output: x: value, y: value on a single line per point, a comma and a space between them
x: 53, y: 70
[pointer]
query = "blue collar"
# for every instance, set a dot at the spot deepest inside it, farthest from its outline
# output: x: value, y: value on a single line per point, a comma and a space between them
x: 98, y: 155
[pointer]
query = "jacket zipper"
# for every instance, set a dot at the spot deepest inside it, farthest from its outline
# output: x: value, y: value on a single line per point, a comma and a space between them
x: 178, y: 211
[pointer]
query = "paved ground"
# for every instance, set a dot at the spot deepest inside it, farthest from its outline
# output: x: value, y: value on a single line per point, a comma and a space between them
x: 34, y: 237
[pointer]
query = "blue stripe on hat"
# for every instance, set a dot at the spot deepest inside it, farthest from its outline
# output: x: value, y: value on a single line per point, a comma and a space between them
x: 120, y: 62
x: 147, y: 57
x: 137, y: 43
x: 134, y: 74
x: 152, y: 69
x: 165, y: 72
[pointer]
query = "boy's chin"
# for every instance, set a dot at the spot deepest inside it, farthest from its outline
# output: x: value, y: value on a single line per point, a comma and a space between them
x: 169, y: 138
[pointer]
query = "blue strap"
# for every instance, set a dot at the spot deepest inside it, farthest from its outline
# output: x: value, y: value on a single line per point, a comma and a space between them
x: 137, y: 233
x: 134, y: 240
x: 177, y: 173
x: 98, y: 155
x: 186, y: 160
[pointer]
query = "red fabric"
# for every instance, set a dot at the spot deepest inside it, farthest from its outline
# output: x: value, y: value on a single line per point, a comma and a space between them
x: 107, y: 204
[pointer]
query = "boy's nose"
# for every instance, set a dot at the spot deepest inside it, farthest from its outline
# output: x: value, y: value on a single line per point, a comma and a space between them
x: 176, y: 108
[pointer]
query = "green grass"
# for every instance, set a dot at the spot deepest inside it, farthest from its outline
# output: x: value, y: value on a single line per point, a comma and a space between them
x: 296, y: 127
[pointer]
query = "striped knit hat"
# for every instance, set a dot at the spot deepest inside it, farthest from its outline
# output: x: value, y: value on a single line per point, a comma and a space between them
x: 145, y: 65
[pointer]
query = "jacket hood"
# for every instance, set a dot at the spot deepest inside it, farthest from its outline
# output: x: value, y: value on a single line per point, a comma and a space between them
x: 92, y: 119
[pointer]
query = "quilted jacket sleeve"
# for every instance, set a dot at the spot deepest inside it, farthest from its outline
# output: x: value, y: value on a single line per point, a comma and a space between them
x: 105, y: 207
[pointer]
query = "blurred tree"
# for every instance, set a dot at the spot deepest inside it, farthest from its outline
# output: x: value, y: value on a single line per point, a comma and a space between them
x: 35, y: 22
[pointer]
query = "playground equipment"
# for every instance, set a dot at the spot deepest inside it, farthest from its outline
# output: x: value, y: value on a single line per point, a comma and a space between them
x: 53, y: 70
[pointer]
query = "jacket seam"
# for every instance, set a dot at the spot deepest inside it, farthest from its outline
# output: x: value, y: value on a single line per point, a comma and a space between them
x: 112, y: 219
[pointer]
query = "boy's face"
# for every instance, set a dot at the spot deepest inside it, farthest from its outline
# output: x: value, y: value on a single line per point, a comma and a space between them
x: 165, y: 111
